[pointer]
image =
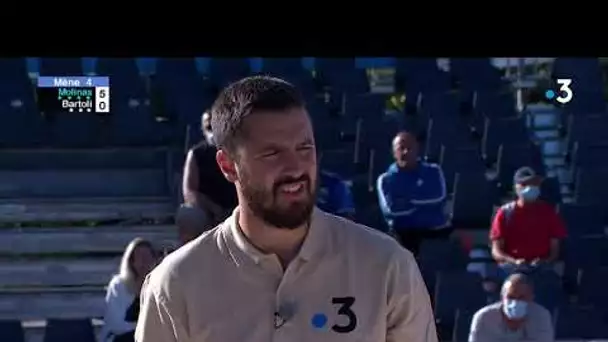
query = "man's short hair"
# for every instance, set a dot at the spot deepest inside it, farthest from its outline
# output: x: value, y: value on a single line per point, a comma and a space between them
x: 244, y: 97
x: 520, y: 278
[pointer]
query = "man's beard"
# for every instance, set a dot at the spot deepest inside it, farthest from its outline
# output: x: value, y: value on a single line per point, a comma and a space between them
x: 265, y: 204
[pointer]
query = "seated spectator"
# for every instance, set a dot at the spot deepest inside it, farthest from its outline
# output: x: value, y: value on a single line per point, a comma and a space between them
x: 515, y: 318
x: 526, y: 232
x: 334, y: 195
x: 209, y: 197
x: 122, y: 297
x: 412, y: 196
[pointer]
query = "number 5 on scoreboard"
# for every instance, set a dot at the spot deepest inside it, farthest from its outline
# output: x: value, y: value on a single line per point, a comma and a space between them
x: 102, y: 99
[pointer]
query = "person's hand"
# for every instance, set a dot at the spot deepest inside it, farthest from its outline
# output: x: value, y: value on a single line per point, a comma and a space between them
x: 520, y: 262
x: 536, y: 262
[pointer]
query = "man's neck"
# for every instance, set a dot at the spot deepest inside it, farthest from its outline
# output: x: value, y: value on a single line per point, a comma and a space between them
x: 284, y: 243
x: 407, y: 166
x: 522, y: 203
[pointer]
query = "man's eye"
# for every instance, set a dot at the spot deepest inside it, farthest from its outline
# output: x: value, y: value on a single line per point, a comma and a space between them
x: 269, y: 154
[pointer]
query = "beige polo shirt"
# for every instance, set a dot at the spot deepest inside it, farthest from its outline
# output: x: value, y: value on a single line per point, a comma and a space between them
x: 349, y: 283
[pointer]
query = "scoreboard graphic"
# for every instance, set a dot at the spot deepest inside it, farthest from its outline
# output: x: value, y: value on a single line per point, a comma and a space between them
x: 65, y: 94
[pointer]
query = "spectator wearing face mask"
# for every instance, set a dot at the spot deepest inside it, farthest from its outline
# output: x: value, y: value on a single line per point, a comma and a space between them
x: 516, y: 317
x: 526, y: 232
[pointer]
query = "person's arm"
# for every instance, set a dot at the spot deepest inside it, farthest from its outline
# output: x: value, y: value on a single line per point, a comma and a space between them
x: 158, y: 321
x: 558, y: 233
x: 543, y: 330
x: 116, y: 305
x: 435, y: 191
x: 389, y: 208
x: 190, y: 188
x: 479, y: 332
x: 410, y: 315
x: 497, y: 238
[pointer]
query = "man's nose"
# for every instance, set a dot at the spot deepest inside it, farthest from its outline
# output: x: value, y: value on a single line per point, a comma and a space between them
x: 293, y: 163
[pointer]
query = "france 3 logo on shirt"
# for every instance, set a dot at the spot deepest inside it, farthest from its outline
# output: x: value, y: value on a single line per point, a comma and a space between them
x: 564, y: 93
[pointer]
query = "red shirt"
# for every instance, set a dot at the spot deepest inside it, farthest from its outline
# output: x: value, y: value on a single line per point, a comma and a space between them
x: 527, y: 230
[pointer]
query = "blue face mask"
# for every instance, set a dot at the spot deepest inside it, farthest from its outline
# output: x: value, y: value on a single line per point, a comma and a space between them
x: 529, y: 193
x: 515, y: 309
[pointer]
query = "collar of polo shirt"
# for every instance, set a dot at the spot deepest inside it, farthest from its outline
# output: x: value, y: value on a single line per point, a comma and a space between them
x: 313, y: 246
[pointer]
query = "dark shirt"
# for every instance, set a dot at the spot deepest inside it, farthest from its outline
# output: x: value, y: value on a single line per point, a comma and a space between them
x: 211, y: 181
x: 133, y: 311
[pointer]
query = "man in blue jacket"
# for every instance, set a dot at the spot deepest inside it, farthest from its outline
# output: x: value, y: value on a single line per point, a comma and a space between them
x: 412, y: 196
x: 334, y: 195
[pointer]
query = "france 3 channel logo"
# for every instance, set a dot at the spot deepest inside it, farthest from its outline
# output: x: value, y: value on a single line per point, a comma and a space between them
x: 564, y: 94
x: 61, y: 94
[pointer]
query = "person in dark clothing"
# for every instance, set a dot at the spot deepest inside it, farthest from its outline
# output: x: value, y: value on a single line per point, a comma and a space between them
x: 208, y: 197
x: 412, y: 196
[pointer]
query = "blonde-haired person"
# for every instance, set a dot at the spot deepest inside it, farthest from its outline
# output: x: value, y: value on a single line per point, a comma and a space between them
x: 122, y: 297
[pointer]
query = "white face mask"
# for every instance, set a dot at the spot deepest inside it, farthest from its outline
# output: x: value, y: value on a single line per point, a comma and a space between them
x: 529, y: 193
x: 514, y: 308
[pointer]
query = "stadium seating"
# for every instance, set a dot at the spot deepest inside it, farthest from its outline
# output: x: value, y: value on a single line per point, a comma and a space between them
x: 61, y: 67
x: 591, y: 186
x: 222, y: 71
x: 455, y: 160
x: 474, y: 200
x: 592, y: 290
x: 470, y: 295
x: 583, y: 220
x: 462, y: 326
x: 475, y: 73
x: 420, y: 75
x: 579, y: 323
x: 292, y: 70
x: 61, y: 330
x: 494, y: 104
x: 341, y: 75
x: 21, y: 125
x: 12, y: 331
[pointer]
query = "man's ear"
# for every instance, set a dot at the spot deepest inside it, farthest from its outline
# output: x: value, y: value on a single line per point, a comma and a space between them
x: 227, y: 165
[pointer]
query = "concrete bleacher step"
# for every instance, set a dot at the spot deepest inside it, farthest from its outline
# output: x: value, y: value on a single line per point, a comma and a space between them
x: 106, y: 158
x: 34, y: 329
x: 83, y: 183
x: 64, y: 240
x: 41, y: 303
x: 85, y: 209
x: 57, y: 272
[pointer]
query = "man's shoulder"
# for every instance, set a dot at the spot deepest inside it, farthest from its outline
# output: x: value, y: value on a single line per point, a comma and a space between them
x: 488, y: 312
x: 186, y: 260
x: 369, y: 243
x: 507, y: 206
x: 431, y: 167
x: 539, y: 310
